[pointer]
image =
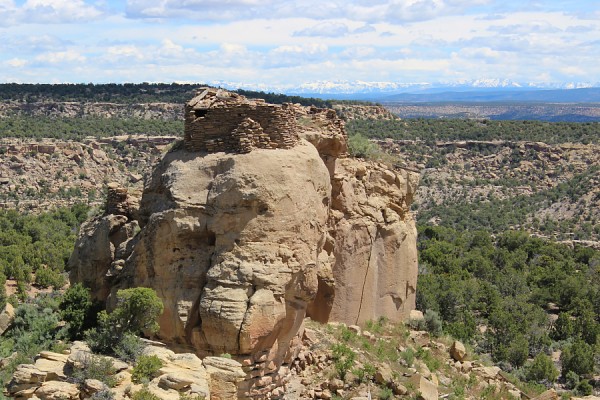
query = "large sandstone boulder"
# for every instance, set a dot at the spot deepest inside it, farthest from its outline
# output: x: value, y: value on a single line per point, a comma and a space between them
x: 426, y: 389
x: 7, y: 316
x: 458, y: 351
x: 229, y: 242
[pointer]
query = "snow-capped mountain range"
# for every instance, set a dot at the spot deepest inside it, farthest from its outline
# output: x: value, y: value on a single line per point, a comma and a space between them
x: 364, y: 89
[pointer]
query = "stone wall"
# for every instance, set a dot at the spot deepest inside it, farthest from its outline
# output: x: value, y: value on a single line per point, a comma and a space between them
x: 218, y: 121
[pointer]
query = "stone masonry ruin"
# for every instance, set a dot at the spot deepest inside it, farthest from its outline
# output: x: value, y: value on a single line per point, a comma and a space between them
x: 217, y: 120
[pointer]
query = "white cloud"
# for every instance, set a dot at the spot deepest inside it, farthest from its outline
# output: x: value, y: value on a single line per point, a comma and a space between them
x: 58, y: 11
x: 357, y: 52
x: 395, y: 11
x: 47, y: 12
x: 325, y: 29
x: 573, y: 70
x: 525, y: 29
x: 292, y: 41
x: 60, y: 57
x: 16, y: 63
x: 124, y: 52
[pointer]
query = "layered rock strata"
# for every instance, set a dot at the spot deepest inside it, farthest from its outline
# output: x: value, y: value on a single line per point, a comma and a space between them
x: 242, y: 247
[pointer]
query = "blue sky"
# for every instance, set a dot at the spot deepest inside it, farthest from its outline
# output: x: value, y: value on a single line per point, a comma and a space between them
x: 287, y: 43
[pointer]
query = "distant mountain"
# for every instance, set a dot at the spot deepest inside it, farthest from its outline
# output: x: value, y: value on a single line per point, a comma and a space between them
x: 472, y: 90
x: 587, y: 95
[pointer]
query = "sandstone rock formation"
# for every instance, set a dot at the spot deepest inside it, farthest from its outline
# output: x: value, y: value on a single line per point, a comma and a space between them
x: 50, y: 377
x: 372, y: 239
x: 241, y: 247
x: 7, y: 317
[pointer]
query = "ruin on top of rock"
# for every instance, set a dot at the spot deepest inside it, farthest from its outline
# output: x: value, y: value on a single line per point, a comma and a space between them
x: 218, y: 120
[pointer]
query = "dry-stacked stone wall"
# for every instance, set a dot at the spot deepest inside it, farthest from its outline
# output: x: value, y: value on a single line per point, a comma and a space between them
x: 218, y: 120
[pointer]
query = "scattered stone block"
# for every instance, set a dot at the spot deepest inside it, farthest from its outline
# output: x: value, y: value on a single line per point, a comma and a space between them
x: 56, y: 390
x: 458, y: 351
x: 426, y: 389
x: 7, y: 316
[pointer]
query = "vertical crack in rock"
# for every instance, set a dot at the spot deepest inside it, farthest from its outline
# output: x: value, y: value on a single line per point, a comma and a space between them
x: 362, y: 293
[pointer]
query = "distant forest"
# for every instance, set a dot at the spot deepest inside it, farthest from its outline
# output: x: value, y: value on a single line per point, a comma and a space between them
x: 130, y: 93
x: 25, y: 126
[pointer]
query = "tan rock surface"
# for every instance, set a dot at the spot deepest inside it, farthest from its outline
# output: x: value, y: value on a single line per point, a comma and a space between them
x: 225, y: 374
x: 458, y: 351
x: 55, y: 390
x: 427, y: 390
x: 7, y: 316
x: 230, y: 245
x: 373, y: 245
x: 549, y: 394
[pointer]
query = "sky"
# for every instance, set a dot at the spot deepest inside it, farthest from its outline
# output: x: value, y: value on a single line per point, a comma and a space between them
x: 289, y: 42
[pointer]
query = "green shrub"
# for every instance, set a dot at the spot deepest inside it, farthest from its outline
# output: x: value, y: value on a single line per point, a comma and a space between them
x: 129, y: 348
x: 425, y: 355
x: 361, y: 147
x: 578, y: 357
x: 137, y: 311
x: 408, y: 356
x: 518, y: 351
x: 571, y: 380
x: 386, y: 393
x: 433, y: 322
x: 365, y: 374
x: 145, y: 368
x: 376, y: 326
x: 563, y: 327
x: 96, y: 367
x: 347, y: 334
x: 343, y: 359
x: 541, y: 369
x: 144, y: 394
x: 76, y: 308
x: 36, y: 326
x: 584, y: 388
x: 46, y: 277
x: 103, y: 395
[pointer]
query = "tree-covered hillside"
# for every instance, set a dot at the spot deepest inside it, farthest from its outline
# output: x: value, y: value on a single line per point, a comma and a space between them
x: 35, y: 248
x: 531, y: 297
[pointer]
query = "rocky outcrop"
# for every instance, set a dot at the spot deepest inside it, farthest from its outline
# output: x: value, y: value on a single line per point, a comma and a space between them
x: 7, y: 316
x: 52, y: 376
x: 44, y: 174
x: 241, y: 247
x: 372, y: 245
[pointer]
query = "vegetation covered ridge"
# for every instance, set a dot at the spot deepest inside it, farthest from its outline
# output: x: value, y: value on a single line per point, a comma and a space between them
x: 477, y: 129
x: 131, y: 93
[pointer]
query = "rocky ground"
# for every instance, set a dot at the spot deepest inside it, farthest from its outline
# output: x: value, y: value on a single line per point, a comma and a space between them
x: 39, y: 175
x: 378, y: 360
x: 560, y: 183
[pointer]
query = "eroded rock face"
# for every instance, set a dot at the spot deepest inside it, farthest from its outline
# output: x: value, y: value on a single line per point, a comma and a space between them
x: 229, y: 242
x: 373, y: 243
